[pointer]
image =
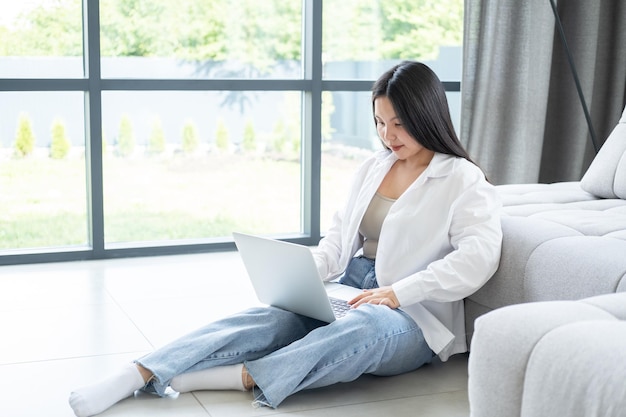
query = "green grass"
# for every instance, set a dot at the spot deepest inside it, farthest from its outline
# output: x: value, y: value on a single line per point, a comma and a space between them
x: 43, y: 202
x: 28, y: 230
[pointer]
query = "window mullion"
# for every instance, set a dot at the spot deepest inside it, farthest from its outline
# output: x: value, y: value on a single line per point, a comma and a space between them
x: 93, y: 126
x: 311, y: 118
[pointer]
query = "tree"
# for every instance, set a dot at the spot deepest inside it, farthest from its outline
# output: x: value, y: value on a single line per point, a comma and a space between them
x: 126, y: 137
x: 190, y: 137
x: 347, y: 24
x: 201, y: 30
x: 264, y: 32
x: 279, y: 136
x: 156, y: 141
x: 59, y: 145
x: 393, y: 29
x: 416, y: 29
x: 221, y: 136
x: 296, y: 144
x: 249, y: 137
x: 255, y: 35
x: 291, y: 132
x: 50, y: 29
x: 24, y: 137
x: 137, y: 28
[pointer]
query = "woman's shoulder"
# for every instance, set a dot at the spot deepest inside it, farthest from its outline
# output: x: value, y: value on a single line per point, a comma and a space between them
x: 447, y: 164
x: 457, y: 168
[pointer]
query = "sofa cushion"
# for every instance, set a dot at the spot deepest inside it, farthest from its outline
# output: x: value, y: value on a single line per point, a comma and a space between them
x: 559, y: 242
x: 545, y: 259
x: 553, y: 209
x: 606, y: 176
x: 591, y: 356
x: 556, y: 358
x: 513, y: 195
x: 505, y: 345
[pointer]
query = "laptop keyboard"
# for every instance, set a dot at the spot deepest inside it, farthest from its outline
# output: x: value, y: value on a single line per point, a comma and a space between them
x: 340, y: 307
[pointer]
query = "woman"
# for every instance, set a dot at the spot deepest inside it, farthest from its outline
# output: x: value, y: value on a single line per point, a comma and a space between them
x: 420, y: 231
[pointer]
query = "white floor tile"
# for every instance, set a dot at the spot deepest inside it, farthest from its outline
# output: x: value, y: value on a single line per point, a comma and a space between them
x: 179, y: 316
x: 149, y: 405
x: 43, y: 388
x: 50, y: 286
x: 448, y: 404
x: 67, y: 332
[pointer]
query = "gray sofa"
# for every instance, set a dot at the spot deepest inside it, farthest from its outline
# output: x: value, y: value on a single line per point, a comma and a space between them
x: 532, y: 352
x: 562, y: 241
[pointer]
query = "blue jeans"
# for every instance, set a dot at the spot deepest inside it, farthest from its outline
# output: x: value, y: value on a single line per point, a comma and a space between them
x: 285, y: 352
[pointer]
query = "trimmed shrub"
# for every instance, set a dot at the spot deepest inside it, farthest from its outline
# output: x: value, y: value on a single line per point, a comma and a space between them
x: 190, y: 137
x: 126, y: 137
x: 296, y: 145
x: 221, y: 136
x: 279, y: 136
x: 249, y: 137
x: 24, y: 137
x: 59, y: 144
x: 156, y: 141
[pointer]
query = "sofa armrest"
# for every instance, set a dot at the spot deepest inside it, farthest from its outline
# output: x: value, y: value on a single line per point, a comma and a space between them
x: 504, y: 342
x: 578, y: 369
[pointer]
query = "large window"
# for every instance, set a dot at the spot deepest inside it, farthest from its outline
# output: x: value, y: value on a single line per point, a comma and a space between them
x: 138, y: 127
x: 185, y: 165
x: 43, y: 199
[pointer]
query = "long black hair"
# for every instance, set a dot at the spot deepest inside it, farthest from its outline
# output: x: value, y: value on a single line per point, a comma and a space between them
x: 419, y: 100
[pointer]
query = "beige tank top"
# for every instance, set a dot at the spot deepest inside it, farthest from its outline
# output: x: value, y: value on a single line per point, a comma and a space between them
x: 372, y: 223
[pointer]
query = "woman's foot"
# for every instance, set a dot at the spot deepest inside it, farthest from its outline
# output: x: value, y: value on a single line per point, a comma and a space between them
x: 95, y: 398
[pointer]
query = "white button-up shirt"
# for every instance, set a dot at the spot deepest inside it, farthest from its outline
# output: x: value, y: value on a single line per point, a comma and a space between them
x: 439, y: 243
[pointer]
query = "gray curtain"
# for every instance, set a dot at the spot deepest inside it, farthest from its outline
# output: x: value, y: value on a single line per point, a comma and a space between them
x: 521, y: 118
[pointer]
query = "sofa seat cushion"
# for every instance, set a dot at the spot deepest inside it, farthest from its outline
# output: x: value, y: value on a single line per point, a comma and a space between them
x: 566, y: 204
x: 529, y: 210
x: 589, y: 222
x: 560, y: 192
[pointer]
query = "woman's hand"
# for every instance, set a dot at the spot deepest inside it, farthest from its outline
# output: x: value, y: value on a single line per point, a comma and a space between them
x: 380, y: 296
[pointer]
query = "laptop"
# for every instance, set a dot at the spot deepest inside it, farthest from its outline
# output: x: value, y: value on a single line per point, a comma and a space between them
x: 285, y: 275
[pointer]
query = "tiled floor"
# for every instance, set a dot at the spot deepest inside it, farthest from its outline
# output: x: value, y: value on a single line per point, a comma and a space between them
x: 64, y: 324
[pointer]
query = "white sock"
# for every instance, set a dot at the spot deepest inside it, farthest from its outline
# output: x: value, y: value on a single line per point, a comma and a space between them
x: 94, y: 399
x: 217, y: 378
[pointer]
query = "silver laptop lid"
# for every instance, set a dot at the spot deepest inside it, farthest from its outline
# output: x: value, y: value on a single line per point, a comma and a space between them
x: 284, y: 275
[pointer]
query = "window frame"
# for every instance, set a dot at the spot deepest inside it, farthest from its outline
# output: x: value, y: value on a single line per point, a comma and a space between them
x: 92, y: 85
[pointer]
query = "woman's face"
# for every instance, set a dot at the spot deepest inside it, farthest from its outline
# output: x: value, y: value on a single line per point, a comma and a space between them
x: 391, y: 130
